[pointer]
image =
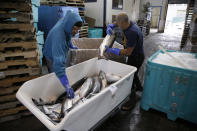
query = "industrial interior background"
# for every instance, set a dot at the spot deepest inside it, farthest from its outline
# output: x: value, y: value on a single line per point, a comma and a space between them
x: 170, y: 23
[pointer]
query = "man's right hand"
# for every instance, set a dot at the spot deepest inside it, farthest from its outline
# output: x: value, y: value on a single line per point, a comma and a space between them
x: 110, y: 28
x: 69, y: 90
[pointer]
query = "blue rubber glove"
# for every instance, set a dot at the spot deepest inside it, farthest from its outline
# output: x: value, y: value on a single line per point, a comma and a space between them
x: 110, y: 27
x: 69, y: 90
x: 73, y: 46
x: 115, y: 51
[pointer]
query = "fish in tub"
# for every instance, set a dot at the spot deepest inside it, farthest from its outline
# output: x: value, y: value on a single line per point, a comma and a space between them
x: 57, y: 110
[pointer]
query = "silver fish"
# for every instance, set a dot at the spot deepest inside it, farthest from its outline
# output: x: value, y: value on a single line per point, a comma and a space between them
x: 48, y: 109
x: 55, y: 116
x: 67, y: 104
x: 97, y: 85
x: 111, y: 78
x: 103, y: 79
x: 86, y: 87
x: 108, y: 40
x: 53, y: 111
x: 96, y: 88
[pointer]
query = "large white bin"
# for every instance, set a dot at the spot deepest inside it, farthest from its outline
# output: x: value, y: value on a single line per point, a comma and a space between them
x: 86, y: 115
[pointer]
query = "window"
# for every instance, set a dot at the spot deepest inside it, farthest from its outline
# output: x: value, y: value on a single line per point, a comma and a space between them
x: 117, y: 4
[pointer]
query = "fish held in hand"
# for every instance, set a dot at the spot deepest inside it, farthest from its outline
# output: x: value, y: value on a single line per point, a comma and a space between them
x: 108, y: 41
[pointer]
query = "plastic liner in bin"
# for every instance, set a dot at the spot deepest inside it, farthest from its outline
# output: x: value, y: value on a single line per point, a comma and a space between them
x: 86, y: 115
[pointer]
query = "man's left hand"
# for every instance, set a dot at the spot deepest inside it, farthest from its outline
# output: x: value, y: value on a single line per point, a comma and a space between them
x: 115, y: 51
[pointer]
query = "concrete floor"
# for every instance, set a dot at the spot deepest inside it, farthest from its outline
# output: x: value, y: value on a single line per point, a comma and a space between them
x: 134, y: 120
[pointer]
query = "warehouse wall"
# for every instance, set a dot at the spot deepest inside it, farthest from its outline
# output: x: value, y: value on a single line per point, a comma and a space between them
x: 131, y: 7
x: 95, y: 10
x: 157, y: 3
x: 153, y: 3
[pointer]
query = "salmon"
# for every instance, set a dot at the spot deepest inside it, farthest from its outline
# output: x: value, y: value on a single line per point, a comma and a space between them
x: 108, y: 41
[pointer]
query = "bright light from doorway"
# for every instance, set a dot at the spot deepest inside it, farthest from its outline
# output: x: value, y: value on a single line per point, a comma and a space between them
x: 175, y: 20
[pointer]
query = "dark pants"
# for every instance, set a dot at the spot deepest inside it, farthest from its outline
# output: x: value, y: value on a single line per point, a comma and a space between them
x: 137, y: 61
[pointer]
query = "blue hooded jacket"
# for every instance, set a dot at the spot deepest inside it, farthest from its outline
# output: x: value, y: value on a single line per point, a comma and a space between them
x: 58, y: 42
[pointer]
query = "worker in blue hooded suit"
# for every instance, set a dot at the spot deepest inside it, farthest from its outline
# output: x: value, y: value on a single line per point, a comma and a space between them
x: 57, y: 45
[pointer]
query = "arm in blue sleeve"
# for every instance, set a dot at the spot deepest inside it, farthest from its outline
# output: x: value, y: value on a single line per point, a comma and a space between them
x: 58, y: 53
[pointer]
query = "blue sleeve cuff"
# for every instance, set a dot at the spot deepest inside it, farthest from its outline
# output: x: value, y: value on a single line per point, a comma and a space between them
x: 64, y: 80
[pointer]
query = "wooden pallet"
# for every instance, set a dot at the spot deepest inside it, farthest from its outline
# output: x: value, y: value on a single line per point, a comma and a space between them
x: 75, y: 1
x: 10, y: 82
x: 23, y: 45
x: 81, y: 13
x: 20, y: 16
x: 17, y: 26
x: 83, y: 36
x: 9, y: 105
x: 8, y: 98
x: 15, y: 116
x: 9, y: 90
x: 85, y: 26
x: 64, y: 2
x: 19, y: 6
x: 11, y: 36
x: 83, y: 33
x: 189, y: 14
x: 26, y: 1
x: 14, y: 55
x: 15, y: 63
x: 30, y: 71
x: 12, y: 111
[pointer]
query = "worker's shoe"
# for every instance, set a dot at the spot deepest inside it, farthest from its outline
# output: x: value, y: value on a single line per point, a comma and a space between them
x: 129, y: 105
x: 140, y: 88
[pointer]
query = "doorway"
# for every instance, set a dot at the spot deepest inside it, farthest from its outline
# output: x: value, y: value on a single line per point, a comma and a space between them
x: 155, y: 17
x: 175, y: 19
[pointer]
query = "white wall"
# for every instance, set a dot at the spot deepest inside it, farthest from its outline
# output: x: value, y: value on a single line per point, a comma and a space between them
x: 95, y: 10
x: 153, y: 3
x: 164, y: 4
x: 131, y: 8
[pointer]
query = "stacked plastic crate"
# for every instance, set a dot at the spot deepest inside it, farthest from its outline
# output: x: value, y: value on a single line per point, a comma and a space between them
x: 83, y: 32
x: 39, y: 34
x: 19, y: 57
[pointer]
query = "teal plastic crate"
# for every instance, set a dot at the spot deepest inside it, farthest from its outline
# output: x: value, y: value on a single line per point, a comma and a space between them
x: 95, y: 33
x: 35, y: 2
x: 35, y: 13
x: 171, y: 90
x: 36, y: 26
x: 35, y: 5
x: 40, y: 43
x: 40, y: 37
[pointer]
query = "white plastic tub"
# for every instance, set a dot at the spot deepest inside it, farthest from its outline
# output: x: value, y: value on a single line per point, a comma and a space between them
x: 86, y: 115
